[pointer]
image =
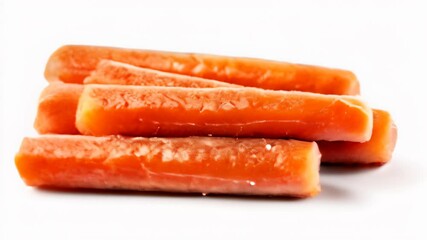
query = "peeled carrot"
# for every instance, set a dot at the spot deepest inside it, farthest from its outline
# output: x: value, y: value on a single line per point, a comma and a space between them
x: 111, y: 72
x: 233, y: 112
x: 196, y: 164
x: 57, y: 109
x: 377, y: 150
x: 72, y: 64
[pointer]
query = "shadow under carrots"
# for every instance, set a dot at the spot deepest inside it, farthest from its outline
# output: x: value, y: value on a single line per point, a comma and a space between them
x: 334, y: 169
x: 156, y: 194
x: 332, y: 192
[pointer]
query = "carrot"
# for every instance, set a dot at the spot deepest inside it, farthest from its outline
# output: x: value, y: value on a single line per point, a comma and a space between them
x: 57, y: 109
x: 377, y: 150
x: 233, y: 112
x: 72, y: 64
x: 196, y: 164
x: 111, y: 72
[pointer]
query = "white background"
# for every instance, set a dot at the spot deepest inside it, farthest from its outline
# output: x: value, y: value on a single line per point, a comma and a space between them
x: 383, y: 42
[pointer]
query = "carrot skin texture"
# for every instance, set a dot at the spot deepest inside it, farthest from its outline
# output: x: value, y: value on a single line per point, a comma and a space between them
x: 378, y: 150
x: 231, y: 112
x: 57, y: 109
x: 196, y: 164
x: 73, y: 63
x: 111, y: 72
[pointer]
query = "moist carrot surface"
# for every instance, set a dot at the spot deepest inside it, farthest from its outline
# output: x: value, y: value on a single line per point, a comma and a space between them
x: 377, y: 150
x: 73, y: 63
x: 196, y: 164
x: 57, y: 109
x: 234, y: 112
x: 111, y: 72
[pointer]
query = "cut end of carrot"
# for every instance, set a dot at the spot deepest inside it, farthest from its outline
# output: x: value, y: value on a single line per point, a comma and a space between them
x: 350, y: 83
x: 352, y: 114
x: 354, y: 85
x: 56, y: 108
x: 312, y: 176
x: 70, y: 63
x: 86, y: 122
x: 57, y: 69
x: 53, y: 67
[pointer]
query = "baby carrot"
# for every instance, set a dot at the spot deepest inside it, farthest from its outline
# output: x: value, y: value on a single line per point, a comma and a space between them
x: 111, y: 72
x: 73, y: 63
x: 233, y: 112
x: 195, y: 164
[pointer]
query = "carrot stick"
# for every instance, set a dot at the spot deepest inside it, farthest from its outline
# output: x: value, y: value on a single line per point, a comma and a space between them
x: 196, y: 164
x: 111, y: 72
x: 233, y: 112
x: 57, y: 109
x: 378, y: 150
x: 72, y: 64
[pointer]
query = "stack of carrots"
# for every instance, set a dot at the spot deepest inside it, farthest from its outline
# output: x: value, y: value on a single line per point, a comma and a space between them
x: 115, y: 118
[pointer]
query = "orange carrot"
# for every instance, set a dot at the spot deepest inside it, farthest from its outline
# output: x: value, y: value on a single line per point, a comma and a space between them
x: 57, y: 109
x: 196, y: 164
x: 73, y: 63
x: 111, y: 72
x: 377, y: 150
x: 235, y: 112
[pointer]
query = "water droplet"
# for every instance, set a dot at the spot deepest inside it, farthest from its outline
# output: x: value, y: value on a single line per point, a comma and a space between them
x: 252, y: 183
x: 268, y: 147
